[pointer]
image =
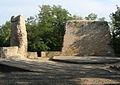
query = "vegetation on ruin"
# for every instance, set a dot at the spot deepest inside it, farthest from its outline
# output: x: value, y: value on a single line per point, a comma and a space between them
x: 46, y: 29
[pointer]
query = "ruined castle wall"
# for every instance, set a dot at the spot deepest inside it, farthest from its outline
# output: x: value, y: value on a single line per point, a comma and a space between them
x: 18, y: 41
x: 87, y: 38
x: 19, y: 35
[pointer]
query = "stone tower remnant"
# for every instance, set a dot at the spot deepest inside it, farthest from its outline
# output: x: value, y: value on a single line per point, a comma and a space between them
x: 87, y: 38
x: 19, y: 35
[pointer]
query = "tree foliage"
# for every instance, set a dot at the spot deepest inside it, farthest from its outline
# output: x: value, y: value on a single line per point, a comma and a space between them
x: 91, y: 16
x: 101, y: 19
x: 76, y: 17
x: 46, y: 30
x: 5, y: 34
x: 115, y: 17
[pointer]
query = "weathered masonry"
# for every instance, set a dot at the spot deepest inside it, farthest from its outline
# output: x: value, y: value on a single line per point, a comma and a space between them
x: 18, y: 41
x: 87, y: 38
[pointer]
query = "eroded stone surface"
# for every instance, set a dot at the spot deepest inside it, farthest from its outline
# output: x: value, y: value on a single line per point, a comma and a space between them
x: 87, y: 38
x: 32, y: 55
x: 19, y: 34
x: 7, y: 52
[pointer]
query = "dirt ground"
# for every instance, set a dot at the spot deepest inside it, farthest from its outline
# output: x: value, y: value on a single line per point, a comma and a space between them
x: 45, y: 72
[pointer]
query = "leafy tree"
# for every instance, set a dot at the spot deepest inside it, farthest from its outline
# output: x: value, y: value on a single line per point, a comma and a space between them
x: 91, y: 16
x: 101, y: 19
x: 5, y: 30
x: 34, y: 41
x: 46, y: 30
x: 115, y: 17
x: 75, y: 17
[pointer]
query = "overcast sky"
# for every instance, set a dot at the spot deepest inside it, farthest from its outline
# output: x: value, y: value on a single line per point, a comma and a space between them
x: 27, y: 8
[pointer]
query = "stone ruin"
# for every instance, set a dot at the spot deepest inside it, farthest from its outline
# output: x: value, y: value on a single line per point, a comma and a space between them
x: 18, y: 41
x: 87, y: 38
x: 82, y: 38
x: 19, y: 34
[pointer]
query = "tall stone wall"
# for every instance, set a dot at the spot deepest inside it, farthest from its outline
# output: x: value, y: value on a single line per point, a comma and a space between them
x: 19, y: 35
x: 84, y: 38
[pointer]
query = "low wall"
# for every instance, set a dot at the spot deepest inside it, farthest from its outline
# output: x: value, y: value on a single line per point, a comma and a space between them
x: 50, y: 54
x: 12, y: 52
x: 32, y: 55
x: 6, y: 52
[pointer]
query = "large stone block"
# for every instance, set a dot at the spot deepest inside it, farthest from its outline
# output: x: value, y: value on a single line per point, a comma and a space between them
x: 87, y: 38
x: 9, y: 52
x: 19, y: 35
x: 50, y: 54
x: 32, y: 55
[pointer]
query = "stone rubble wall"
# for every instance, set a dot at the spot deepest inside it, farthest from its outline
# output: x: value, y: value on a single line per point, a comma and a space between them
x: 32, y: 55
x: 87, y: 38
x: 9, y: 52
x: 50, y: 54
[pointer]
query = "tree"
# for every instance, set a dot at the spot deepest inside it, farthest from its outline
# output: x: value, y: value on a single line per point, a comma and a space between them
x: 75, y: 17
x: 5, y: 30
x: 115, y: 17
x: 35, y: 42
x: 101, y: 19
x: 91, y: 16
x: 46, y: 30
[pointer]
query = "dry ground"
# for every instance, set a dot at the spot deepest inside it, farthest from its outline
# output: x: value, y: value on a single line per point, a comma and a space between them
x: 45, y: 72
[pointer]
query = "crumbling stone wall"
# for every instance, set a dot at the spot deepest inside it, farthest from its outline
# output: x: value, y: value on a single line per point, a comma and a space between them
x: 9, y: 52
x: 18, y: 41
x: 32, y: 55
x: 50, y: 54
x: 19, y: 35
x: 84, y: 38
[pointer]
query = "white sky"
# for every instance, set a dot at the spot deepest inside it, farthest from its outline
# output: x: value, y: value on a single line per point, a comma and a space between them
x: 27, y: 8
